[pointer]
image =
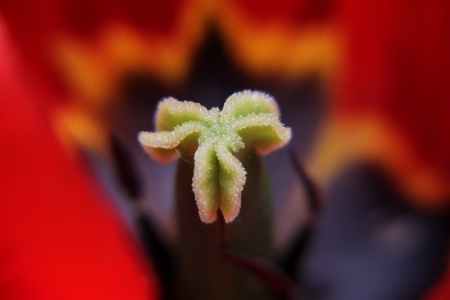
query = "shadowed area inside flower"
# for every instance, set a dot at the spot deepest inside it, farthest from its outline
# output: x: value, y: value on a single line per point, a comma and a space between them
x: 212, y: 138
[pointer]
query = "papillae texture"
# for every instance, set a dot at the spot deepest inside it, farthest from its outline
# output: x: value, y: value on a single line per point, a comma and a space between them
x: 213, y: 139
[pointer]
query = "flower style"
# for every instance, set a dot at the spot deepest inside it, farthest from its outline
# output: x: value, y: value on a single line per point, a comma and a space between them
x: 211, y: 138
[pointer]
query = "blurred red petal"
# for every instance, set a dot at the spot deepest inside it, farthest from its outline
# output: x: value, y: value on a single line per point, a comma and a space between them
x: 58, y: 239
x: 396, y: 74
x: 441, y: 289
x: 87, y: 46
x: 285, y: 38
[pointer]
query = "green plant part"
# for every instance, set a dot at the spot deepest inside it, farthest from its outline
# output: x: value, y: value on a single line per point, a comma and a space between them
x: 214, y: 140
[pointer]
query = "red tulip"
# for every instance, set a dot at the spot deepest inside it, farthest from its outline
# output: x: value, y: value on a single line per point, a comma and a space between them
x: 58, y: 238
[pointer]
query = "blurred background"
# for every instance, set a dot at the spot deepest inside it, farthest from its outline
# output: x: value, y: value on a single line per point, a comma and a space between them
x: 364, y: 85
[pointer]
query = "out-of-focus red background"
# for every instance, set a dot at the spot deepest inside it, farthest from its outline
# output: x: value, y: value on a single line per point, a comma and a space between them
x: 360, y: 83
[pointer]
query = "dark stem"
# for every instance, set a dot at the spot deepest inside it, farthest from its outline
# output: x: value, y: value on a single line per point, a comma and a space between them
x: 312, y: 192
x: 305, y: 234
x: 264, y: 270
